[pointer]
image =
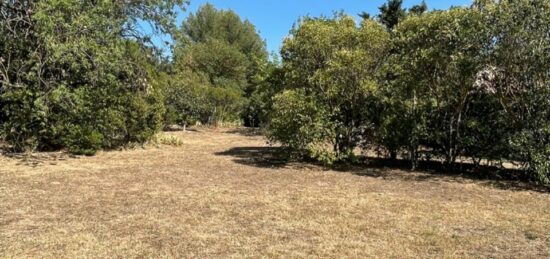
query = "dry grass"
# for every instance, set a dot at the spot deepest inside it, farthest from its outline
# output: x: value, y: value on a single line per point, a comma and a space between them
x: 219, y: 195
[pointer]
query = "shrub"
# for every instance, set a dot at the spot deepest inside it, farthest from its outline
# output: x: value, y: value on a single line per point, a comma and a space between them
x: 82, y: 91
x: 83, y: 140
x: 168, y: 140
x: 300, y: 124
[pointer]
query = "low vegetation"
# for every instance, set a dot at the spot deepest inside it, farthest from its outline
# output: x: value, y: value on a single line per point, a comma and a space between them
x: 166, y: 139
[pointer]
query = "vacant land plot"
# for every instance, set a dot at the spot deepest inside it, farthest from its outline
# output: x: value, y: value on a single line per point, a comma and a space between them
x: 221, y: 195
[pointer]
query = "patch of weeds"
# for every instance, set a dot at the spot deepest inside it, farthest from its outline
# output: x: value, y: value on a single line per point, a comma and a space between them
x: 530, y: 235
x: 167, y: 140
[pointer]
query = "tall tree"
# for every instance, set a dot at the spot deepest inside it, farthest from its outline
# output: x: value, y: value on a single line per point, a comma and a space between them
x: 419, y: 8
x: 226, y: 26
x: 391, y: 13
x: 364, y: 15
x: 228, y: 52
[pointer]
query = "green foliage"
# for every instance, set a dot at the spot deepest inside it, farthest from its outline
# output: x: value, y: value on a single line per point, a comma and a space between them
x: 419, y: 8
x: 260, y: 103
x: 79, y: 75
x: 221, y: 63
x: 20, y: 118
x: 391, y: 13
x: 83, y: 140
x: 338, y: 65
x: 460, y: 83
x: 364, y: 15
x: 226, y: 26
x: 300, y: 124
x: 222, y: 58
x: 520, y: 76
x: 186, y: 101
x: 435, y: 78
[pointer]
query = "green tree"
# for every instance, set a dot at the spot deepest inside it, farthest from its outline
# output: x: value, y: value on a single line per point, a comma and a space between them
x: 518, y: 75
x: 338, y: 65
x: 391, y: 13
x: 223, y: 25
x: 302, y: 126
x: 364, y: 15
x: 186, y: 98
x: 80, y: 75
x: 261, y: 102
x: 220, y: 63
x: 419, y: 8
x: 228, y: 51
x: 435, y: 78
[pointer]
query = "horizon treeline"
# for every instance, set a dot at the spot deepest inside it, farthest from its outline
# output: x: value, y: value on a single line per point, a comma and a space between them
x: 418, y: 84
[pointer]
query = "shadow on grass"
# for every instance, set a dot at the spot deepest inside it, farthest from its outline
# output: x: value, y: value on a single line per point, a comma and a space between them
x: 264, y: 157
x: 247, y: 132
x: 175, y: 129
x: 506, y: 179
x: 515, y: 180
x: 38, y: 159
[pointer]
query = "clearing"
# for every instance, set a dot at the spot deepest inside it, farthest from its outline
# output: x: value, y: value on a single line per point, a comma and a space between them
x: 221, y: 194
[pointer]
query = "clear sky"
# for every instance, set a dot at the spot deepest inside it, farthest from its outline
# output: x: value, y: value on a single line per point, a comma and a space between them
x: 274, y: 18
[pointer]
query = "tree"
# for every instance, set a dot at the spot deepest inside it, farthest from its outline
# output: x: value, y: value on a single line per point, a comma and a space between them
x: 391, y: 13
x: 419, y: 8
x: 364, y: 15
x: 435, y: 78
x: 79, y: 75
x: 301, y: 125
x: 518, y: 76
x: 186, y: 99
x: 228, y: 52
x: 261, y: 101
x: 224, y: 25
x: 337, y: 65
x: 222, y: 64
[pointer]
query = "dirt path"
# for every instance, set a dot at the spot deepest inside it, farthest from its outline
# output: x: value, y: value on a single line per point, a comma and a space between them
x: 222, y: 195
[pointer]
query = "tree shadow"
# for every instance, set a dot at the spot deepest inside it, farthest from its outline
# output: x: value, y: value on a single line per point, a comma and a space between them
x: 247, y: 132
x: 394, y: 170
x: 263, y: 157
x: 388, y: 169
x: 37, y: 159
x: 174, y: 129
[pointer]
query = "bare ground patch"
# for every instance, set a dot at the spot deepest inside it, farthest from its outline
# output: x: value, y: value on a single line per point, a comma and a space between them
x: 223, y: 194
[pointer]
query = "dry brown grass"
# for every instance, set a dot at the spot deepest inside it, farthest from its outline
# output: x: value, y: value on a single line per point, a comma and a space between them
x: 219, y: 195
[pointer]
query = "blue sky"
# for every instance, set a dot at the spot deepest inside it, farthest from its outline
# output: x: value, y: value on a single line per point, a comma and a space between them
x: 274, y: 18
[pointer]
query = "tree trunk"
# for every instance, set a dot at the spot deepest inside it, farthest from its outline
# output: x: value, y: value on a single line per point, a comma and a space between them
x: 393, y: 155
x: 414, y: 157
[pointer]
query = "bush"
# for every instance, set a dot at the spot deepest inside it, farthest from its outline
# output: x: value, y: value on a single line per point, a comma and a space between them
x: 168, y: 140
x: 83, y: 141
x: 301, y: 125
x: 81, y: 91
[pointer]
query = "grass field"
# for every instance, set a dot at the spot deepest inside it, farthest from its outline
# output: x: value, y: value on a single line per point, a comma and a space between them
x: 221, y: 194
